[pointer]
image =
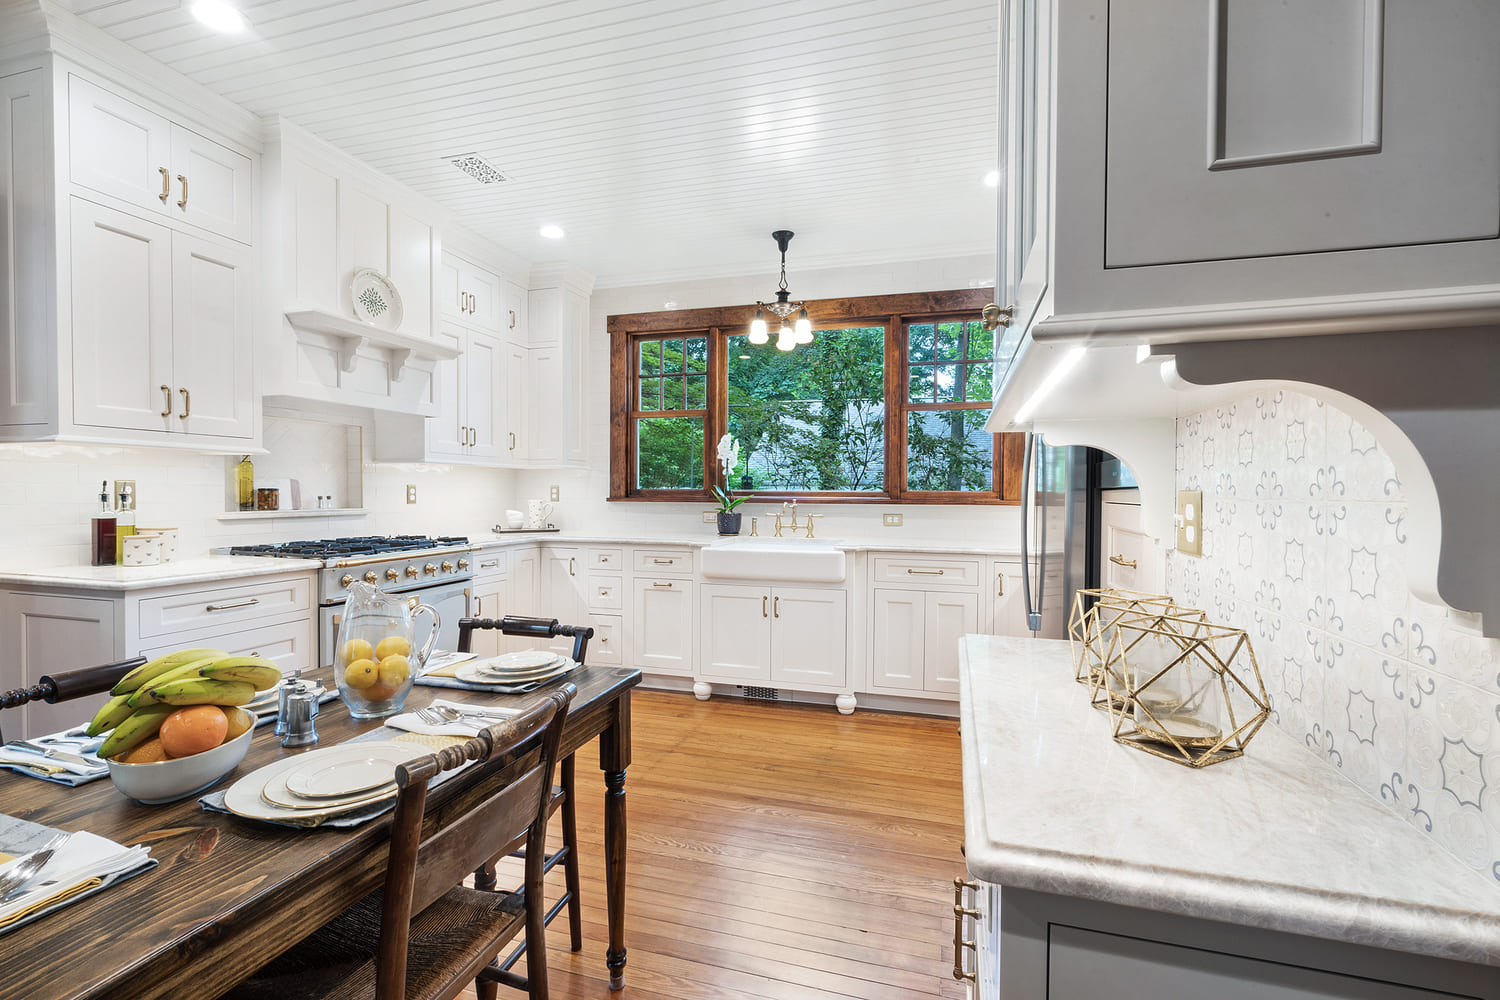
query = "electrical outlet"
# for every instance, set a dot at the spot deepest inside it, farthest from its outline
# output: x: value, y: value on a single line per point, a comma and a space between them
x: 411, y: 492
x: 1190, y: 522
x: 710, y: 517
x: 125, y: 493
x: 555, y: 494
x: 891, y: 520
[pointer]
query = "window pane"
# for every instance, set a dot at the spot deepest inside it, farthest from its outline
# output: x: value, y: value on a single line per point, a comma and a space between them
x: 650, y: 394
x: 671, y: 394
x: 981, y: 343
x: 949, y: 388
x: 919, y: 384
x: 980, y: 382
x: 949, y: 451
x: 697, y: 354
x: 671, y: 357
x: 650, y: 357
x: 697, y: 392
x: 669, y: 453
x: 919, y: 338
x: 948, y: 335
x: 812, y: 418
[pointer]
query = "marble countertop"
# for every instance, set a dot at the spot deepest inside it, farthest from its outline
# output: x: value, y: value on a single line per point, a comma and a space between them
x: 119, y: 578
x: 1276, y: 839
x: 489, y: 540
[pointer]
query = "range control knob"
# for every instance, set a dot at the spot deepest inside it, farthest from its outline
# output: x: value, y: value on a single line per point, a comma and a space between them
x: 447, y: 566
x: 430, y: 569
x: 411, y: 571
x: 370, y: 576
x: 392, y: 575
x: 463, y: 564
x: 345, y: 580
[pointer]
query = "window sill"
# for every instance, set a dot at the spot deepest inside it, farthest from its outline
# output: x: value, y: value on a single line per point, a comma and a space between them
x: 944, y: 500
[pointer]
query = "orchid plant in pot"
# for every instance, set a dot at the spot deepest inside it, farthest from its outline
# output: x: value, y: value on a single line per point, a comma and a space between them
x: 729, y: 519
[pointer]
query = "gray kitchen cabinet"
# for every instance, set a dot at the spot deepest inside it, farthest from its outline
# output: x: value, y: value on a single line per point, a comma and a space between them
x: 47, y: 633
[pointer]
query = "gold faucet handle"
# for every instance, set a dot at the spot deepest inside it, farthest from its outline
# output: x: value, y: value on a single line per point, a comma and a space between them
x: 810, y: 523
x: 778, y: 525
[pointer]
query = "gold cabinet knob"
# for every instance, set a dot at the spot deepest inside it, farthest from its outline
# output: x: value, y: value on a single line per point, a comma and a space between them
x: 411, y: 571
x: 370, y: 576
x: 447, y: 566
x: 430, y: 569
x: 345, y: 580
x: 392, y: 575
x: 463, y: 564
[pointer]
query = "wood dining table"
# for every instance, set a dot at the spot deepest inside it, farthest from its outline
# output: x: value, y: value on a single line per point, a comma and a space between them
x: 229, y: 893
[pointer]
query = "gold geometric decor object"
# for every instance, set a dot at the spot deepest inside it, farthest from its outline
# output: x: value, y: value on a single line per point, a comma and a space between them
x: 1184, y: 689
x: 1107, y: 691
x: 1090, y: 631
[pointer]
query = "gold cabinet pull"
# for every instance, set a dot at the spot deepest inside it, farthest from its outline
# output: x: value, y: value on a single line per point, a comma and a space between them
x: 664, y: 586
x: 187, y: 405
x: 166, y: 184
x: 512, y: 318
x: 959, y: 942
x: 999, y: 584
x: 993, y: 317
x: 166, y: 400
x: 512, y: 440
x: 763, y: 599
x: 250, y: 603
x: 1122, y: 561
x: 776, y: 607
x: 923, y: 572
x: 572, y: 566
x: 182, y: 202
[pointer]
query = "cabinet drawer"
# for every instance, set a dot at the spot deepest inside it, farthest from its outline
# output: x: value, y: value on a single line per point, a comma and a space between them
x: 223, y: 607
x: 604, y: 592
x: 610, y: 560
x: 604, y: 647
x: 664, y: 561
x: 291, y: 645
x: 926, y: 570
x: 490, y: 564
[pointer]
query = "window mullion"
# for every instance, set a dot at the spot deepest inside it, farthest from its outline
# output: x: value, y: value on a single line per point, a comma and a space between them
x: 895, y: 409
x: 716, y: 422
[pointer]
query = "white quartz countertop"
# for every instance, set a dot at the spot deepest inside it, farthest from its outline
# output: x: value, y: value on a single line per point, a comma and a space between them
x: 848, y: 545
x: 1275, y: 839
x: 116, y: 578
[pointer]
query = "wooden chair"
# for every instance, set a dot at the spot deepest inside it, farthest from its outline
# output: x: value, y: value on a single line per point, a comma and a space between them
x: 563, y: 795
x: 66, y: 685
x: 425, y: 936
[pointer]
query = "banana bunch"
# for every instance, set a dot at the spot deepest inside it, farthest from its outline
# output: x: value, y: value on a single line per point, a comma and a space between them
x: 154, y: 690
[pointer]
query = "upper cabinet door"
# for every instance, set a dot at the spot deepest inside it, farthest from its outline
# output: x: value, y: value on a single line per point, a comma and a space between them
x: 483, y: 290
x: 446, y: 432
x: 122, y: 320
x: 212, y: 186
x: 482, y: 394
x: 1218, y: 151
x: 119, y: 148
x: 212, y: 359
x: 451, y: 301
x: 514, y: 446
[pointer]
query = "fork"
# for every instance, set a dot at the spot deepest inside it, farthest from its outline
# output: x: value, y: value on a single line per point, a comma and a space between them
x: 463, y: 715
x: 29, y: 865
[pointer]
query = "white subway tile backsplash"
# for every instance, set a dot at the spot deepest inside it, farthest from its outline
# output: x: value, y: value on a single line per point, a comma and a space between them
x: 1304, y: 546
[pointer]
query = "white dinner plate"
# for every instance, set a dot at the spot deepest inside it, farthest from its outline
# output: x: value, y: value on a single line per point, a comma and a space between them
x: 522, y: 659
x: 486, y: 667
x: 375, y: 299
x: 349, y: 769
x: 275, y: 793
x: 469, y: 673
x: 243, y: 798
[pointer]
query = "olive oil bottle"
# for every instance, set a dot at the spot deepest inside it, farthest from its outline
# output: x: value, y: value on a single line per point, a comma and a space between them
x: 244, y: 483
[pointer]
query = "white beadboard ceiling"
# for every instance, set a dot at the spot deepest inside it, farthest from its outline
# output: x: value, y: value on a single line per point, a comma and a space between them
x: 667, y: 137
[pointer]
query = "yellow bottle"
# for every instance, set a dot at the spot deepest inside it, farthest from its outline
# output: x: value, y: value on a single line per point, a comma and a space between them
x: 244, y: 482
x: 124, y: 523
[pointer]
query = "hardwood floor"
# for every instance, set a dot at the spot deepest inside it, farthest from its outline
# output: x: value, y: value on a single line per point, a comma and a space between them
x: 776, y: 851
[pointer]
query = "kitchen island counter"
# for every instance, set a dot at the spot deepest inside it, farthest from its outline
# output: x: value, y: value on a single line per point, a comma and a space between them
x: 207, y: 569
x: 1277, y: 839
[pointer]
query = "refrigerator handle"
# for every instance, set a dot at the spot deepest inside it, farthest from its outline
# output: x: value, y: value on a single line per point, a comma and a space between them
x: 1028, y: 491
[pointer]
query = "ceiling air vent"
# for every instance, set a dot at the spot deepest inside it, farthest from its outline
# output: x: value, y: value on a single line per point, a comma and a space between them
x: 477, y: 167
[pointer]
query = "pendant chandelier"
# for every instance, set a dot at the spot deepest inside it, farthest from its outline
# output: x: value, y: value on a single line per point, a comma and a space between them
x: 789, y: 336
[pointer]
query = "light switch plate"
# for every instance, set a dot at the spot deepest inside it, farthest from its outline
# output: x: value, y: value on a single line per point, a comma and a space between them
x: 555, y: 494
x: 1190, y: 522
x: 891, y: 520
x: 710, y: 517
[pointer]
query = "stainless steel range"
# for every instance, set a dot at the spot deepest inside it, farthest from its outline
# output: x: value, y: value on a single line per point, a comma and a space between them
x: 434, y: 570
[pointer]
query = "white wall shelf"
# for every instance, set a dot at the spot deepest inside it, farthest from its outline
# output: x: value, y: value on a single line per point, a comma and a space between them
x: 355, y: 335
x: 266, y: 515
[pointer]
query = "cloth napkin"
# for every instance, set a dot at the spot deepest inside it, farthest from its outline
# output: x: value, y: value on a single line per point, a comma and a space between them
x: 36, y: 765
x: 409, y: 721
x: 84, y: 864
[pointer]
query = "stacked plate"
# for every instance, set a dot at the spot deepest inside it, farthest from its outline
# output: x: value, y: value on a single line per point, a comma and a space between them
x: 321, y: 783
x: 526, y: 667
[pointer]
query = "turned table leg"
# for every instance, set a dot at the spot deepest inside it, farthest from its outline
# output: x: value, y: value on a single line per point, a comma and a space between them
x: 614, y: 757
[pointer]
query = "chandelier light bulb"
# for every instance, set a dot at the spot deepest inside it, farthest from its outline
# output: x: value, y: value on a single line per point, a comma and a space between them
x: 786, y: 341
x: 804, y: 328
x: 758, y: 331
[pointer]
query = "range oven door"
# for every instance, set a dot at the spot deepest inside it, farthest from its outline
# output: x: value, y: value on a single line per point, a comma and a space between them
x: 450, y: 599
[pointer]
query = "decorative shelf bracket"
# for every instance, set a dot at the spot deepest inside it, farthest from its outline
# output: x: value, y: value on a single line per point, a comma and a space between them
x: 403, y: 350
x: 349, y: 352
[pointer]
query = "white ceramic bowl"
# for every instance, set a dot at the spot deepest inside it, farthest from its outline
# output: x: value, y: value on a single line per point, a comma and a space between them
x: 171, y: 780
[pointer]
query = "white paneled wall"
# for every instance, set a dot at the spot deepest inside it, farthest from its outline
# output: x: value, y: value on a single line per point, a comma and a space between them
x: 1304, y: 536
x: 583, y: 506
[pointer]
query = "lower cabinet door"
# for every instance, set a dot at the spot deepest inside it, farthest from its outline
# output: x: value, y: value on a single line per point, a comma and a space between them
x: 809, y: 637
x: 604, y: 647
x: 897, y: 649
x: 487, y: 600
x: 46, y: 634
x: 947, y: 617
x: 662, y: 629
x: 735, y: 642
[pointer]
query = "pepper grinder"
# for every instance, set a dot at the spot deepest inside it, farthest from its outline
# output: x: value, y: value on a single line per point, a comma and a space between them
x: 297, y: 713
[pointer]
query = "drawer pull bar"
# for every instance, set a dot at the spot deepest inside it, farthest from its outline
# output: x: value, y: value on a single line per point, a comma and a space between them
x: 959, y: 942
x: 666, y: 586
x: 1122, y: 561
x: 489, y: 565
x: 663, y: 562
x: 230, y: 607
x: 923, y: 572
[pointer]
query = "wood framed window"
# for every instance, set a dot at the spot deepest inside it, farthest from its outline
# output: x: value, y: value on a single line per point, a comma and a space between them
x: 887, y: 404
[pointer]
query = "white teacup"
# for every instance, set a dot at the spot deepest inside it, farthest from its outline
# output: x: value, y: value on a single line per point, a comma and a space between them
x: 515, y: 519
x: 537, y: 512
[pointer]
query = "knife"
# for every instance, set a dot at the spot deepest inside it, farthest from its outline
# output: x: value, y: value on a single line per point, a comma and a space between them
x: 45, y: 751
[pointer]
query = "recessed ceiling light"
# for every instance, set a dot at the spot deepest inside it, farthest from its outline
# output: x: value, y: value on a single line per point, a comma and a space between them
x: 552, y: 232
x: 992, y: 179
x: 218, y: 15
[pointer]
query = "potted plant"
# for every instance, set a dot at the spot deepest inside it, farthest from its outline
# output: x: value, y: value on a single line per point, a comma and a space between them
x: 729, y: 518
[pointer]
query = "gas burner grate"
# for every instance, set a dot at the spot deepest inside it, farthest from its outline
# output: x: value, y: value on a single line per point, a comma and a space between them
x: 363, y: 545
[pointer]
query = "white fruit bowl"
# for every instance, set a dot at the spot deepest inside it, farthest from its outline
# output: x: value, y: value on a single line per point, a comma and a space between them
x: 170, y: 780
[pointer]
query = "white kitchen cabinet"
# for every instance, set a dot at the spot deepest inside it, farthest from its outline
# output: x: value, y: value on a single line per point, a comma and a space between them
x: 565, y: 583
x: 46, y: 634
x: 465, y: 426
x: 549, y: 420
x: 471, y: 294
x: 915, y: 645
x: 606, y: 648
x: 1125, y: 561
x: 513, y: 444
x: 662, y: 625
x: 120, y: 149
x: 290, y: 645
x: 557, y: 326
x: 1007, y: 601
x: 789, y: 636
x: 489, y: 597
x: 161, y: 328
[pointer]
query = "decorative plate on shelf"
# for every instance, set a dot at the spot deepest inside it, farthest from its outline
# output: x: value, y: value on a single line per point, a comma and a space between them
x: 375, y: 299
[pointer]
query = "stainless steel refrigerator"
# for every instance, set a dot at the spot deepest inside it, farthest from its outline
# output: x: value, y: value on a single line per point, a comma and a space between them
x: 1060, y: 528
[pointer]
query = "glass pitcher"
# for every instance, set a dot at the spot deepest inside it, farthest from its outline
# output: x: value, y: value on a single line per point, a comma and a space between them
x: 374, y: 663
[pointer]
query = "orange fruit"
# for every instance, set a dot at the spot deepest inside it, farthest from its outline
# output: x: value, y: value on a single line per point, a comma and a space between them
x: 392, y: 645
x: 360, y: 674
x: 193, y: 729
x: 379, y: 692
x: 149, y: 752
